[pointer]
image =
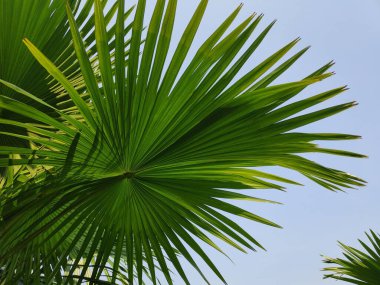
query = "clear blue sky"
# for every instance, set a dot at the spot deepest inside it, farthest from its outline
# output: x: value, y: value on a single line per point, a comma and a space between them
x: 348, y: 32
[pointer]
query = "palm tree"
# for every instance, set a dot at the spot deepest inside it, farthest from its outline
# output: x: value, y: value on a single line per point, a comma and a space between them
x: 357, y: 267
x: 137, y: 171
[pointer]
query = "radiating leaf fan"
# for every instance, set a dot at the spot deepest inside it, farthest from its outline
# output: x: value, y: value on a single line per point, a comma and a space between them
x: 357, y: 267
x: 138, y: 173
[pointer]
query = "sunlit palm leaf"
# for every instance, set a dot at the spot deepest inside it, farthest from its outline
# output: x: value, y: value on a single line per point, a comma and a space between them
x: 357, y: 266
x: 140, y: 175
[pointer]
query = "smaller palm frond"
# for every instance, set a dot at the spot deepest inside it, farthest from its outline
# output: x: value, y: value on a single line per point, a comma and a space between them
x: 361, y: 267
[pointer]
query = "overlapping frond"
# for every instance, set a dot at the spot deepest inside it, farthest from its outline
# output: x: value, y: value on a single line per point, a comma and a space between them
x: 50, y: 31
x: 142, y: 175
x: 361, y: 267
x: 45, y: 23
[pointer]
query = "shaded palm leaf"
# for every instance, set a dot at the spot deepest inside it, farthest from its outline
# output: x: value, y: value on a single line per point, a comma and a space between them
x: 50, y: 31
x: 104, y: 278
x: 45, y: 23
x: 139, y: 177
x: 18, y: 20
x: 357, y: 266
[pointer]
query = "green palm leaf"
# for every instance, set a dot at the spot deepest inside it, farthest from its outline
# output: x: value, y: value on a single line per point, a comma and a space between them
x: 142, y: 175
x: 357, y: 267
x: 50, y: 31
x: 104, y: 278
x: 45, y: 23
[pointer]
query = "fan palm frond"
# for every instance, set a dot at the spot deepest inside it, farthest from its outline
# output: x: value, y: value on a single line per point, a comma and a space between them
x: 141, y: 176
x: 361, y: 267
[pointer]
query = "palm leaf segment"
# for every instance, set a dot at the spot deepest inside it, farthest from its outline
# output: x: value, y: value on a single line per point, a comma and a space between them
x: 50, y: 31
x: 357, y: 267
x: 45, y: 23
x: 139, y: 176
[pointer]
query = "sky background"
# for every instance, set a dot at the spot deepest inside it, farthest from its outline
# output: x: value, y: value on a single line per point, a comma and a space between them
x: 313, y: 218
